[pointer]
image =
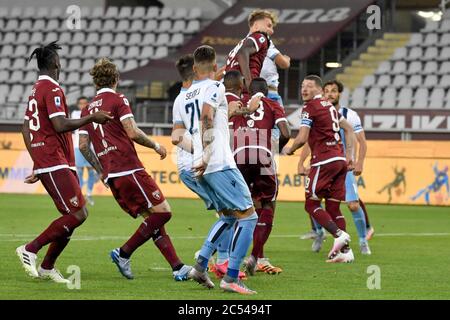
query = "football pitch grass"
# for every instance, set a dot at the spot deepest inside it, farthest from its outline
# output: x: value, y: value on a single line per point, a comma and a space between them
x: 410, y: 247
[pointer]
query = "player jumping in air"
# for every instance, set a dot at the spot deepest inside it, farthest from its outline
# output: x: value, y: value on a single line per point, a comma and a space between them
x: 46, y: 133
x: 320, y: 126
x: 440, y: 180
x: 217, y: 172
x: 249, y: 54
x: 332, y: 91
x: 253, y: 153
x: 116, y: 161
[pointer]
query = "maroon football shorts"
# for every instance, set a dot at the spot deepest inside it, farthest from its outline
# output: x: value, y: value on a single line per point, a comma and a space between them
x: 64, y: 188
x: 260, y: 176
x: 136, y: 192
x: 327, y: 181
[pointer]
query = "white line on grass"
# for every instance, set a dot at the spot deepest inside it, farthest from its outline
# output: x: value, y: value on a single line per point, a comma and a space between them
x: 8, y: 237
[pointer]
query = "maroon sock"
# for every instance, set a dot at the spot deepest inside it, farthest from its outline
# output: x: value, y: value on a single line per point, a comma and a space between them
x: 162, y: 240
x: 262, y: 232
x: 363, y: 207
x: 334, y: 209
x: 61, y: 228
x: 145, y: 231
x: 321, y: 216
x: 53, y: 252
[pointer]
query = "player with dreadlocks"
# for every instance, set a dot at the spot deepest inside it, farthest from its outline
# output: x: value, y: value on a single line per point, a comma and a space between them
x: 47, y: 135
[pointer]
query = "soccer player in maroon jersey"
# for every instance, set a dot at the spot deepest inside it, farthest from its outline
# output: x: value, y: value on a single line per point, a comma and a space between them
x: 249, y: 54
x: 320, y: 126
x: 116, y: 161
x: 253, y: 152
x: 47, y: 135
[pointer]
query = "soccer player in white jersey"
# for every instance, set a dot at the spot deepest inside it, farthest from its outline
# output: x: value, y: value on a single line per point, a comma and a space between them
x: 206, y: 118
x: 332, y: 90
x: 274, y: 60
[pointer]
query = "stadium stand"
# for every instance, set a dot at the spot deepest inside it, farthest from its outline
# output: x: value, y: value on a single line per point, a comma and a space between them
x: 416, y: 75
x: 131, y: 36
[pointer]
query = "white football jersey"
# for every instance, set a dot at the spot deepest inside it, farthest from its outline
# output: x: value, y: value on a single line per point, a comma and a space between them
x: 184, y: 158
x: 352, y: 117
x: 212, y: 93
x: 269, y: 69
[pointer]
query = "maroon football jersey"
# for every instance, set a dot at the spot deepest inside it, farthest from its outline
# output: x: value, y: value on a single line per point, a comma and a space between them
x: 50, y: 150
x: 254, y: 131
x: 113, y: 147
x: 256, y: 60
x: 324, y: 140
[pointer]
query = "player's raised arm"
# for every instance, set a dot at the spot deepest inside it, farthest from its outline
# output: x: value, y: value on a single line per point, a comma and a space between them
x: 63, y: 124
x: 243, y: 57
x: 139, y: 136
x: 349, y: 141
x: 282, y: 61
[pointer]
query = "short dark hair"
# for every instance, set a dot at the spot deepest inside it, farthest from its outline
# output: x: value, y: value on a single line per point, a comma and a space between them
x: 338, y: 84
x: 258, y: 85
x: 184, y: 66
x: 204, y: 55
x: 232, y: 79
x: 82, y: 98
x: 45, y: 55
x: 315, y: 78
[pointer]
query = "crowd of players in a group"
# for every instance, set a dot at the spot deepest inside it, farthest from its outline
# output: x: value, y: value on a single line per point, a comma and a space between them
x: 228, y: 124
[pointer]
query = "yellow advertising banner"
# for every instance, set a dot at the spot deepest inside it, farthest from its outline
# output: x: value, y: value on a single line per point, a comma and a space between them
x: 398, y: 172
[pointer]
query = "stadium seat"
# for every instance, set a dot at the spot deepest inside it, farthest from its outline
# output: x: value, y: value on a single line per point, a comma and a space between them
x: 431, y: 39
x: 135, y: 39
x: 437, y: 99
x: 87, y: 65
x: 415, y: 81
x: 78, y: 38
x: 57, y: 13
x: 36, y: 38
x: 39, y: 25
x: 151, y: 26
x: 388, y: 98
x: 54, y: 24
x: 4, y: 76
x: 136, y: 27
x: 405, y: 98
x: 162, y: 40
x: 149, y: 39
x: 125, y: 13
x: 95, y: 26
x: 133, y: 52
x: 431, y: 53
x: 30, y: 77
x: 20, y: 51
x: 345, y: 97
x: 444, y: 81
x: 16, y: 93
x: 180, y: 14
x: 5, y: 63
x: 164, y: 26
x: 92, y: 38
x: 399, y: 54
x: 384, y: 80
x: 431, y: 81
x: 120, y: 39
x: 41, y: 13
x: 445, y: 54
x: 399, y: 67
x: 444, y: 68
x: 138, y: 13
x: 122, y: 26
x: 119, y: 63
x: 7, y: 51
x: 16, y: 12
x: 420, y: 98
x: 193, y: 26
x: 111, y: 12
x: 415, y: 40
x: 384, y: 67
x: 358, y: 97
x: 86, y: 79
x: 415, y: 53
x: 4, y: 12
x: 152, y: 13
x: 97, y: 13
x: 10, y: 38
x: 147, y: 52
x: 444, y: 41
x: 165, y: 13
x: 89, y: 91
x: 4, y: 89
x: 19, y: 64
x: 178, y: 26
x: 65, y: 38
x: 12, y: 25
x: 51, y: 36
x: 74, y: 65
x: 414, y: 67
x: 431, y: 26
x: 28, y: 13
x: 373, y: 98
x: 195, y: 14
x: 130, y: 65
x: 161, y: 52
x: 431, y: 67
x: 104, y: 51
x: 176, y: 40
x: 106, y: 39
x: 25, y: 25
x: 118, y: 52
x: 109, y: 25
x: 72, y: 78
x: 445, y: 26
x: 90, y: 52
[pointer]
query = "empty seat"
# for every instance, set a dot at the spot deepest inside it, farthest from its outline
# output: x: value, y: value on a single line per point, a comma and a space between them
x: 193, y: 26
x: 133, y: 52
x: 445, y: 54
x: 125, y: 13
x: 135, y: 39
x: 39, y: 25
x: 415, y: 81
x: 106, y: 39
x: 176, y: 40
x: 92, y: 38
x: 72, y: 78
x: 12, y: 25
x: 111, y: 12
x: 76, y: 52
x: 18, y: 64
x: 149, y: 39
x: 119, y: 52
x: 151, y: 26
x: 437, y: 99
x: 65, y: 38
x: 399, y: 67
x: 431, y: 67
x: 161, y: 52
x: 136, y: 26
x: 78, y: 38
x: 358, y: 97
x: 384, y: 67
x: 57, y: 12
x: 28, y: 13
x: 405, y: 98
x: 87, y: 64
x: 4, y: 76
x: 97, y: 13
x: 444, y: 68
x: 431, y: 39
x: 414, y: 67
x: 104, y: 51
x: 421, y: 98
x: 21, y: 51
x: 195, y: 13
x: 130, y: 65
x: 25, y: 25
x: 399, y: 54
x: 431, y: 26
x: 147, y: 52
x: 415, y: 53
x: 138, y: 13
x: 120, y: 38
x: 384, y: 80
x: 415, y: 40
x: 445, y: 40
x: 445, y: 26
x: 444, y: 82
x: 5, y: 63
x: 4, y: 12
x: 122, y: 26
x: 178, y: 26
x: 36, y: 38
x: 6, y: 51
x: 152, y: 13
x: 41, y: 13
x: 16, y: 94
x: 74, y: 65
x: 431, y: 53
x: 165, y: 13
x: 90, y: 52
x: 95, y: 26
x: 164, y: 26
x: 344, y: 99
x: 30, y: 77
x: 109, y: 25
x: 50, y: 37
x: 15, y: 77
x: 373, y: 98
x: 10, y: 38
x: 388, y: 98
x: 16, y: 12
x: 431, y: 81
x: 54, y: 24
x: 180, y: 14
x: 162, y: 40
x: 86, y: 79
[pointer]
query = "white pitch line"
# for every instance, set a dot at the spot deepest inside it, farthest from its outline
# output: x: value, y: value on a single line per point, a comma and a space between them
x: 9, y: 237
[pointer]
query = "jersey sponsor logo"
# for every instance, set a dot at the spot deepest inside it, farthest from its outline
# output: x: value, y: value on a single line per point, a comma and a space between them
x: 156, y: 194
x: 58, y: 101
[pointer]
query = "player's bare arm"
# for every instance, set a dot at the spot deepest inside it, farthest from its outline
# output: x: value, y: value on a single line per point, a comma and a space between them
x: 283, y: 61
x: 302, y: 170
x: 179, y: 138
x: 27, y: 140
x: 300, y: 140
x: 285, y: 133
x: 362, y: 151
x: 86, y: 151
x: 243, y: 58
x: 220, y: 73
x: 139, y: 136
x: 349, y: 141
x: 63, y: 124
x: 207, y: 121
x: 235, y: 108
